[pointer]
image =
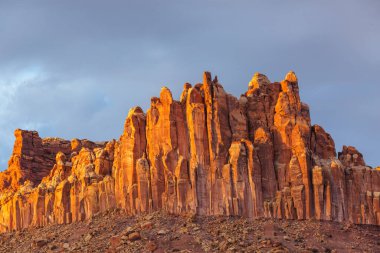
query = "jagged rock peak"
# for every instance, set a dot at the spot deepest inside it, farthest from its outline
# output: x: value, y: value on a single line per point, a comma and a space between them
x: 291, y: 77
x: 135, y: 110
x: 207, y: 78
x: 258, y: 80
x: 186, y: 88
x: 350, y: 156
x: 166, y: 96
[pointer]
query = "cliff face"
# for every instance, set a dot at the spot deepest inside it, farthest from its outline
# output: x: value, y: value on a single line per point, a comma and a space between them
x: 209, y: 153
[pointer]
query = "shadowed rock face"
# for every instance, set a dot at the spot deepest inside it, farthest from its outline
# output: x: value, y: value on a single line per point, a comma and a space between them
x: 209, y: 153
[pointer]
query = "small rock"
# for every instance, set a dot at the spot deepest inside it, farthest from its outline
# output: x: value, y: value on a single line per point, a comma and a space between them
x: 196, y: 228
x: 149, y: 217
x: 314, y: 250
x: 40, y: 243
x: 223, y: 245
x: 128, y: 230
x: 192, y: 218
x: 53, y: 247
x: 151, y: 246
x: 66, y: 245
x: 124, y: 238
x: 183, y: 230
x: 88, y: 237
x: 134, y: 236
x: 115, y: 241
x: 231, y: 240
x: 162, y: 232
x: 147, y: 225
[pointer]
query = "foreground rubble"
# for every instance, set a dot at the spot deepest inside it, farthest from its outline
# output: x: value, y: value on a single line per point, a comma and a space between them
x: 159, y: 232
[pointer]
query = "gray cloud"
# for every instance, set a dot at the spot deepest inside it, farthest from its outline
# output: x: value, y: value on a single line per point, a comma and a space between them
x: 73, y: 69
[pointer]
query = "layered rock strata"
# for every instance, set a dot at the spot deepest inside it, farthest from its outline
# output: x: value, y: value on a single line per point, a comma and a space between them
x: 209, y: 153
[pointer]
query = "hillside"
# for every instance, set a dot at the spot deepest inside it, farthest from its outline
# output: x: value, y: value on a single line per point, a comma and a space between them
x: 159, y: 232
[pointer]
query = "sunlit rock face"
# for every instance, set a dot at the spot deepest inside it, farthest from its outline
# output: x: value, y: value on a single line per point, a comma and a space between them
x: 209, y: 153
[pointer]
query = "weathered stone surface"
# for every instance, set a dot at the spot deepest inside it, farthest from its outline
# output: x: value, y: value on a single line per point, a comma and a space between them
x: 168, y: 153
x: 209, y: 154
x: 322, y: 145
x: 32, y: 159
x: 131, y: 147
x: 350, y: 157
x: 71, y: 190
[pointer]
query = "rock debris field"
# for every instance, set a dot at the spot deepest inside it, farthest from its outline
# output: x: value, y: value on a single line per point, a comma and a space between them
x: 115, y: 231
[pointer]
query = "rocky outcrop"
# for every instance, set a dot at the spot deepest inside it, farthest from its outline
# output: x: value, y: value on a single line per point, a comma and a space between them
x: 209, y: 153
x: 76, y: 186
x: 130, y: 148
x: 32, y: 159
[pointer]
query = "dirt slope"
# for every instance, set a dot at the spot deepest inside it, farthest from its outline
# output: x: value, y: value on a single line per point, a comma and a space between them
x: 160, y: 232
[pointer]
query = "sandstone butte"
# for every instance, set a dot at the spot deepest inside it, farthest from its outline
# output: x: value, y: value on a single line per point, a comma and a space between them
x: 209, y: 153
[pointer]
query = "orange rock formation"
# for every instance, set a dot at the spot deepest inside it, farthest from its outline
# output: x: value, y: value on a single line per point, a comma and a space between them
x: 209, y: 153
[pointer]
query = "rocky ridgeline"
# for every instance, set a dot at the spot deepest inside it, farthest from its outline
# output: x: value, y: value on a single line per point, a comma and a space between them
x: 209, y: 154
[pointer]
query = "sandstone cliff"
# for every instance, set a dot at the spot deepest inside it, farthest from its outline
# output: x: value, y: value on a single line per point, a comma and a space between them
x: 209, y: 153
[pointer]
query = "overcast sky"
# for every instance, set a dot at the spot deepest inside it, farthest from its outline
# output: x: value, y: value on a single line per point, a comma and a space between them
x: 75, y: 68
